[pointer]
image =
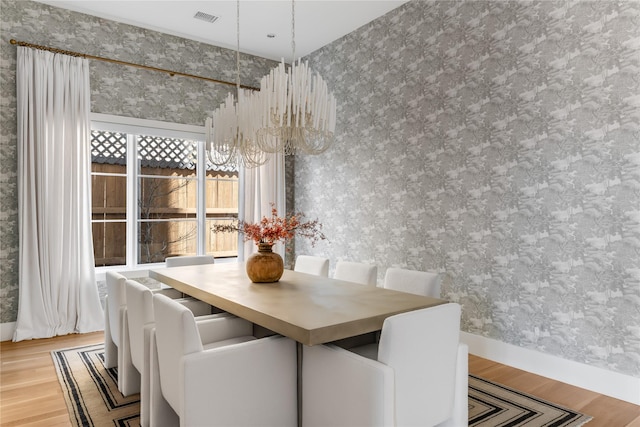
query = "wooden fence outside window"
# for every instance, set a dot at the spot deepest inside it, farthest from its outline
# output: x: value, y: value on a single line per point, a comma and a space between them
x: 167, y: 213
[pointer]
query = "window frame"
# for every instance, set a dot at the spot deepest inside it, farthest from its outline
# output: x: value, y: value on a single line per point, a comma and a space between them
x: 133, y: 126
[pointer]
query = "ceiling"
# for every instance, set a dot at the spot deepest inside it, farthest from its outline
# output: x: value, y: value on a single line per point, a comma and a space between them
x: 317, y: 22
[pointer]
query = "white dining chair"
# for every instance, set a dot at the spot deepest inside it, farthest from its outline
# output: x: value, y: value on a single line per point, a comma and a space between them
x: 179, y: 261
x: 365, y: 274
x: 141, y: 323
x: 315, y: 265
x: 116, y: 334
x: 424, y: 283
x: 418, y: 376
x: 214, y: 373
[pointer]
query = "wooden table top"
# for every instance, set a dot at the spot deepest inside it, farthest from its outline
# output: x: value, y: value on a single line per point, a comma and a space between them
x: 309, y: 309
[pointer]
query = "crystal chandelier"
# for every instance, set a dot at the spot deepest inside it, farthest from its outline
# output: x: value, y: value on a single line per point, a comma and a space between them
x: 298, y: 111
x: 231, y: 131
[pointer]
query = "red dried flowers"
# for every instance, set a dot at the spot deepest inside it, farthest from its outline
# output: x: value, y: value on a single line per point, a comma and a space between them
x: 274, y: 229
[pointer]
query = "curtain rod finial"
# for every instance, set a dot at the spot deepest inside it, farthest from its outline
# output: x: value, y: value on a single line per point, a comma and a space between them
x: 13, y: 41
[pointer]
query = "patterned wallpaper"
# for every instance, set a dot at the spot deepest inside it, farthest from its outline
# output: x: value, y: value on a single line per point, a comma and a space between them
x: 115, y: 89
x: 497, y: 142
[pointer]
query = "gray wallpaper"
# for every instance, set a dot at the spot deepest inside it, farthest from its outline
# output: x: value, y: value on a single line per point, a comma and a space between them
x: 115, y: 89
x: 497, y: 142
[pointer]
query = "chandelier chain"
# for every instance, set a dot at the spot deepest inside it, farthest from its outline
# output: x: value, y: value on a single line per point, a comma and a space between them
x: 293, y: 30
x: 238, y: 47
x: 237, y: 61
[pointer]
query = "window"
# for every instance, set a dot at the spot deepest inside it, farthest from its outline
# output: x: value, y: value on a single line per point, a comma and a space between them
x: 155, y: 194
x: 108, y: 198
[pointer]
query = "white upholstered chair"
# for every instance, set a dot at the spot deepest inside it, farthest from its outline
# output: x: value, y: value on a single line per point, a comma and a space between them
x: 357, y: 272
x: 424, y: 283
x: 141, y: 324
x: 116, y: 334
x: 417, y: 378
x: 312, y: 265
x: 214, y: 373
x: 179, y: 261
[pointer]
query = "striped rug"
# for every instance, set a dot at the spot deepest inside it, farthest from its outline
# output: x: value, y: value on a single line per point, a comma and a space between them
x: 91, y: 391
x: 93, y: 398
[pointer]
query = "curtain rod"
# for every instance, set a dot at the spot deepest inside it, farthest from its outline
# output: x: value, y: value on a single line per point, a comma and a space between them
x: 130, y: 64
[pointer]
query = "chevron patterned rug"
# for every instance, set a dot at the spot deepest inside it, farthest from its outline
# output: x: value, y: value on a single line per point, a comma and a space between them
x: 492, y: 405
x: 93, y: 398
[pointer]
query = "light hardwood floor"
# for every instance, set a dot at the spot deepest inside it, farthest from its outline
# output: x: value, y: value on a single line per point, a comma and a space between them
x: 30, y: 394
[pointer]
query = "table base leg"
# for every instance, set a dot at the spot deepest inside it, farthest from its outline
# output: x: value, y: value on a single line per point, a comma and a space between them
x: 299, y: 381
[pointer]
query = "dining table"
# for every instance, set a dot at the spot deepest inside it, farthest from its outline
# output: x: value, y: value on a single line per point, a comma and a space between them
x: 309, y: 309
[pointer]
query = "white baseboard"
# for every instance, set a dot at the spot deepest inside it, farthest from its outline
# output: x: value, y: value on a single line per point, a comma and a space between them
x: 602, y: 381
x: 6, y: 331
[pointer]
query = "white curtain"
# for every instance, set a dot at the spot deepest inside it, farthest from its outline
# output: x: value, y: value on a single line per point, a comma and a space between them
x: 57, y: 287
x: 261, y: 187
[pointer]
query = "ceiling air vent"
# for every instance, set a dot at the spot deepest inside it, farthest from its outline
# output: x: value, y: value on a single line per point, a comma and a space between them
x: 206, y: 17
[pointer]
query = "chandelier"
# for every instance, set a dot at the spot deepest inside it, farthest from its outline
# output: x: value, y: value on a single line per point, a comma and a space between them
x: 293, y: 112
x: 231, y: 131
x: 298, y: 111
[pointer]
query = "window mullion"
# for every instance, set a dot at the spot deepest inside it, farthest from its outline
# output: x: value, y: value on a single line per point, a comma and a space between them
x: 132, y: 201
x: 201, y: 206
x: 241, y: 209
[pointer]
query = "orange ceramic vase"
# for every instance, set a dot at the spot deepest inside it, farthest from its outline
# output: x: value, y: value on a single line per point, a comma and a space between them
x: 265, y: 266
